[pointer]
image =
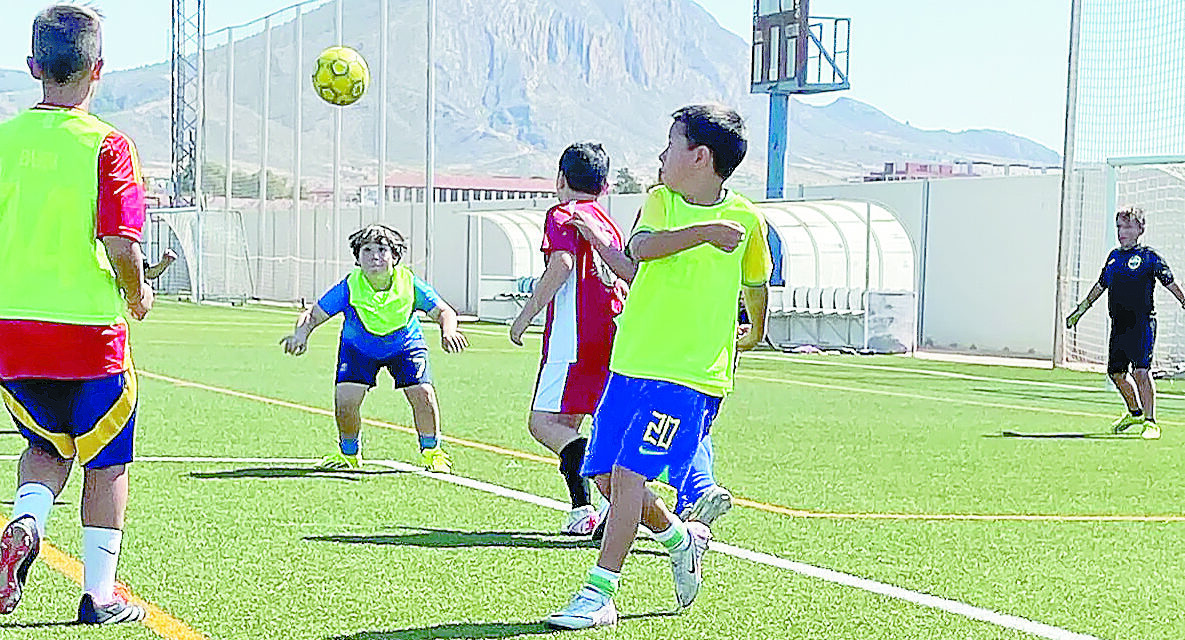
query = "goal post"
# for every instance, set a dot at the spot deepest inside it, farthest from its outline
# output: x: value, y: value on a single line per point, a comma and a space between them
x: 213, y: 260
x: 1124, y: 146
x: 1155, y: 184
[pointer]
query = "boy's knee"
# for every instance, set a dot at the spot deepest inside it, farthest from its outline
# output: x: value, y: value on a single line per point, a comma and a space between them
x: 421, y: 396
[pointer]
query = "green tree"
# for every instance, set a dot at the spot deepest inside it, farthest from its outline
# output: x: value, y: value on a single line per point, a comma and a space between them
x: 626, y: 182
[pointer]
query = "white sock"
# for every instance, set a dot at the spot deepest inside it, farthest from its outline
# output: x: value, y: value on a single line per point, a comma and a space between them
x: 100, y: 555
x: 33, y: 499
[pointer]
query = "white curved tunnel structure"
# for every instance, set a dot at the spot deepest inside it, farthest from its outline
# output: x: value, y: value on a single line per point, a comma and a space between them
x: 508, y: 258
x: 828, y: 255
x: 837, y: 244
x: 843, y: 275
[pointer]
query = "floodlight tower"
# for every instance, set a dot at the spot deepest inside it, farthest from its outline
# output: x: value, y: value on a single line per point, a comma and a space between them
x: 187, y: 30
x: 793, y: 53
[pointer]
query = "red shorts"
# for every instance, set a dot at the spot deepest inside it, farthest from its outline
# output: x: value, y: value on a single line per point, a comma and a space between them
x: 569, y: 387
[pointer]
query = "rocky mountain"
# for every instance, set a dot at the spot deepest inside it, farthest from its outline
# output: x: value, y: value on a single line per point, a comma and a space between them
x: 516, y: 82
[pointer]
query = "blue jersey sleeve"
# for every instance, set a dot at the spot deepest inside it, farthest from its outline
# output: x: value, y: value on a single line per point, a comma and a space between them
x: 1160, y: 269
x: 426, y: 297
x: 1105, y: 276
x: 336, y: 299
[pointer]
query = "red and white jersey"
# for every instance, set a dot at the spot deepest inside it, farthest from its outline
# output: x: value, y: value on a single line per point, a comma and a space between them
x: 580, y: 317
x: 34, y: 349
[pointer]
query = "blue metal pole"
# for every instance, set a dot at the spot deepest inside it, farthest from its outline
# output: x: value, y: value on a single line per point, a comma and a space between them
x: 779, y: 119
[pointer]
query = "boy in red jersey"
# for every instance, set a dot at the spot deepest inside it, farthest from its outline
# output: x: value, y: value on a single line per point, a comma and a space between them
x: 582, y: 296
x: 70, y: 269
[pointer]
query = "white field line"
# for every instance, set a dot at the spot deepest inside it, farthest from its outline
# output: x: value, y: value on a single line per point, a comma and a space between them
x: 919, y: 396
x: 846, y: 579
x: 890, y: 369
x: 938, y: 374
x: 771, y: 508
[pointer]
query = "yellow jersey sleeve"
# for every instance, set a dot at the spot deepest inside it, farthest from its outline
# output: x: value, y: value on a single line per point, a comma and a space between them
x: 653, y: 216
x: 756, y: 264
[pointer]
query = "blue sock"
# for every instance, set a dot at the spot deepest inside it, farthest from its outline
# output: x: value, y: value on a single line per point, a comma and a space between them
x: 349, y: 446
x: 427, y: 442
x: 700, y: 476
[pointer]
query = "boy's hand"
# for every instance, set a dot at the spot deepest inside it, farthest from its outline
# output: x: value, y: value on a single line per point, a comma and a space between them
x: 140, y: 304
x: 169, y: 256
x: 591, y: 232
x: 746, y: 339
x: 295, y: 344
x: 725, y: 235
x: 453, y: 341
x: 517, y: 329
x: 1073, y: 318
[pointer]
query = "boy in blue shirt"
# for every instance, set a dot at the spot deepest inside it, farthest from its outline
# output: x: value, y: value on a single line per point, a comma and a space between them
x: 379, y: 300
x: 1130, y: 275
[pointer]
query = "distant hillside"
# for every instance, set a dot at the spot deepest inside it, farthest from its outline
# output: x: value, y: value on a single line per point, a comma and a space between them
x: 519, y: 81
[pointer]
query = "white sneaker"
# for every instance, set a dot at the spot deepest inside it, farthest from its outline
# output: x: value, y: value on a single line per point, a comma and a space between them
x: 686, y: 563
x: 588, y: 608
x: 581, y: 521
x: 715, y: 502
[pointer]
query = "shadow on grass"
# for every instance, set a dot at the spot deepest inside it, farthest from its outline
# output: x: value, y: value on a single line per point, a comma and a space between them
x: 39, y: 625
x: 291, y: 472
x: 1065, y: 435
x: 449, y: 538
x: 475, y: 630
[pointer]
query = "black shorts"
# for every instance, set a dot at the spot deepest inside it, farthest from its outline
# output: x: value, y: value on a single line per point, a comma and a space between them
x: 1131, y: 344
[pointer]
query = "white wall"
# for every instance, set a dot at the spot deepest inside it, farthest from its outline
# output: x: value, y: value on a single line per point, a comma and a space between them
x: 986, y: 257
x: 991, y: 265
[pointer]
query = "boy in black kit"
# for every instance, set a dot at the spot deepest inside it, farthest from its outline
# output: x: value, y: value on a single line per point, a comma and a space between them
x: 1130, y: 274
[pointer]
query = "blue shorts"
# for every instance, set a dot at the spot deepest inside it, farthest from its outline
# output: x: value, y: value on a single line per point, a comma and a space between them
x: 91, y: 420
x: 408, y: 368
x: 650, y: 427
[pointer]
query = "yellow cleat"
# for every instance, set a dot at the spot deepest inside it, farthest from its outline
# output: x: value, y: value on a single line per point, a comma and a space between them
x: 1151, y: 430
x: 340, y: 460
x: 435, y: 459
x: 1124, y: 421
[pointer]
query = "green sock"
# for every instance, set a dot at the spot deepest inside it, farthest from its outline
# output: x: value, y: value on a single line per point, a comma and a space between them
x: 672, y: 538
x: 603, y: 580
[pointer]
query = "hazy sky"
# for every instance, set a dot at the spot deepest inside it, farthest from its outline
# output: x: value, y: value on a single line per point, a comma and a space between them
x: 939, y: 64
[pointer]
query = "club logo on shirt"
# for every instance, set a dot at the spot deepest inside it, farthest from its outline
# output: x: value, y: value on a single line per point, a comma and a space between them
x: 1134, y: 262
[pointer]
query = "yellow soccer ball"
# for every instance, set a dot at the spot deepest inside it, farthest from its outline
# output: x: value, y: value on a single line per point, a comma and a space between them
x: 341, y: 76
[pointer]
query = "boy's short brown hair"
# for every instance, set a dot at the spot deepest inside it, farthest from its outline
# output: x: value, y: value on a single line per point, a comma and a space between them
x: 378, y: 234
x: 66, y: 41
x: 1134, y: 214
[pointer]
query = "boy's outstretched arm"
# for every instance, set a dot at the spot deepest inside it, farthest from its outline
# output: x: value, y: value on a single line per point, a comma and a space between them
x: 298, y: 342
x: 153, y: 271
x: 756, y: 301
x: 1177, y: 293
x: 559, y: 266
x: 1095, y: 291
x: 451, y: 338
x: 725, y: 235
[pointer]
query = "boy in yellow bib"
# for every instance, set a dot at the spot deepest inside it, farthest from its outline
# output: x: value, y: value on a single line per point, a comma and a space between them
x: 697, y: 245
x: 379, y: 300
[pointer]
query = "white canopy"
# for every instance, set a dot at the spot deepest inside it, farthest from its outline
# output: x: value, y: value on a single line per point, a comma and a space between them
x: 825, y: 243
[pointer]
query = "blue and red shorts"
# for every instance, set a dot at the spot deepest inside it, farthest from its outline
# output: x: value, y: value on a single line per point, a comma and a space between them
x: 650, y: 427
x: 91, y: 420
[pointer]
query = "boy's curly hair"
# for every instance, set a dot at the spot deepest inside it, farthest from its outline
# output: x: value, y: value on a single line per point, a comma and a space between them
x: 1134, y: 214
x: 379, y: 234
